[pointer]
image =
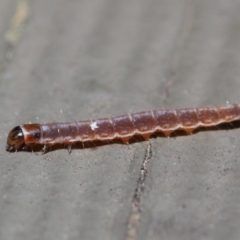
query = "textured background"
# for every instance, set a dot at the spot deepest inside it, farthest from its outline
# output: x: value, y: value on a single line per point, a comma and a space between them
x: 74, y: 60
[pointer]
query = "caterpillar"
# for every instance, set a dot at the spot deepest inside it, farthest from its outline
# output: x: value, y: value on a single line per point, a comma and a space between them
x: 121, y: 127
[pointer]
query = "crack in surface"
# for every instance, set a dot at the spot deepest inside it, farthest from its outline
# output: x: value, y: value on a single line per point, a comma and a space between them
x: 14, y: 32
x: 135, y: 212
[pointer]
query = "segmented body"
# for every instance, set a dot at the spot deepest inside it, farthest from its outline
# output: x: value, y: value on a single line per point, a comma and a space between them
x: 126, y: 126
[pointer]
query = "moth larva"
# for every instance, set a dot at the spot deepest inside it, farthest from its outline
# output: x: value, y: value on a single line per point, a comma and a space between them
x: 121, y: 127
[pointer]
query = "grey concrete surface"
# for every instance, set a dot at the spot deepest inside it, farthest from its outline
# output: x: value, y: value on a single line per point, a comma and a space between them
x: 76, y: 60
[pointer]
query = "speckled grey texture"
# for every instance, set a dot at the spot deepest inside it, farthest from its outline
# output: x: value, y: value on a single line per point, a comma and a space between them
x: 79, y: 60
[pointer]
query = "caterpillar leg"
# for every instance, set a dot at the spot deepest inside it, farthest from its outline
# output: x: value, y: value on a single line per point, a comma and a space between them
x: 69, y: 148
x: 45, y: 149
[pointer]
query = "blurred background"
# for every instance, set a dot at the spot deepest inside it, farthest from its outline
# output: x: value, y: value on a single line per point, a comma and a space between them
x: 75, y: 60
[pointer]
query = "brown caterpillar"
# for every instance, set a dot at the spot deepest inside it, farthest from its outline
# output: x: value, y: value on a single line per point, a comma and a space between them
x: 121, y: 127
